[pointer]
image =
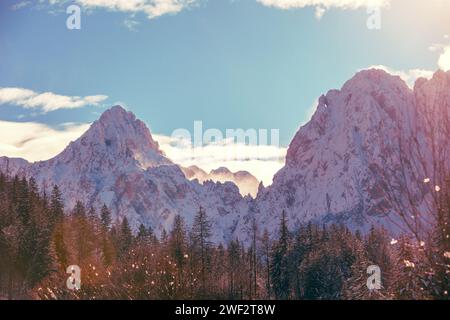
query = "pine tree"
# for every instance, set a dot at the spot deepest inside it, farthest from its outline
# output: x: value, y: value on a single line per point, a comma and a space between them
x: 164, y: 237
x: 177, y: 248
x: 56, y: 206
x: 253, y: 260
x: 266, y: 256
x: 23, y: 201
x: 379, y: 253
x: 355, y: 287
x: 56, y: 219
x: 109, y: 245
x: 323, y: 269
x: 407, y: 271
x: 28, y: 231
x: 40, y: 263
x: 125, y: 237
x: 33, y: 254
x: 79, y: 211
x: 301, y: 248
x: 106, y: 233
x: 219, y: 269
x: 83, y: 233
x: 201, y: 231
x: 279, y: 264
x: 92, y: 214
x: 234, y: 262
x: 105, y: 217
x: 143, y: 234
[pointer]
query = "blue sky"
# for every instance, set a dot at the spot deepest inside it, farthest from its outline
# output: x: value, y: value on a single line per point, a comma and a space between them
x: 231, y: 64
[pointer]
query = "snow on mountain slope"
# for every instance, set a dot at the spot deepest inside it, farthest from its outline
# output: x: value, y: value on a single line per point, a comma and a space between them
x: 361, y: 160
x: 117, y: 162
x: 367, y: 144
x: 246, y: 182
x: 433, y: 109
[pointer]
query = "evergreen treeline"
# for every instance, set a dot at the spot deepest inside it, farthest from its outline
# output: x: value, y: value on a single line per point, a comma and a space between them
x: 39, y: 240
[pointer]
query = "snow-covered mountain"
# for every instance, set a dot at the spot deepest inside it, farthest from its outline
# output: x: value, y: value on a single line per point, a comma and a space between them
x: 118, y: 163
x: 363, y: 156
x: 246, y: 182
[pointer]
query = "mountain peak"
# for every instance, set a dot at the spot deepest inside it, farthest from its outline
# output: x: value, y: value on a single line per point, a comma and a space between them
x: 118, y: 125
x: 370, y: 79
x: 116, y: 112
x: 118, y: 116
x: 221, y: 170
x: 442, y: 74
x: 370, y: 98
x: 441, y: 79
x: 119, y: 136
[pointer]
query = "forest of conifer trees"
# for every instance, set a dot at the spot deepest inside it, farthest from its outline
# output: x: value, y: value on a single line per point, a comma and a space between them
x: 39, y: 240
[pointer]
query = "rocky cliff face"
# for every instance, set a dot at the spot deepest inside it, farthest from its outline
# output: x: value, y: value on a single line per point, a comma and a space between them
x: 364, y: 155
x: 361, y: 160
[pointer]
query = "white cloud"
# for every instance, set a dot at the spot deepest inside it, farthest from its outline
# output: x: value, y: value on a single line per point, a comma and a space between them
x: 444, y: 59
x: 322, y: 5
x: 263, y: 161
x: 409, y: 76
x: 26, y: 139
x: 443, y: 49
x: 47, y: 101
x: 152, y: 8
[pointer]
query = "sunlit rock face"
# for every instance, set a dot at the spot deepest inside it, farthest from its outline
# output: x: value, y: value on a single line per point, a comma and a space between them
x: 364, y: 155
x: 246, y: 182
